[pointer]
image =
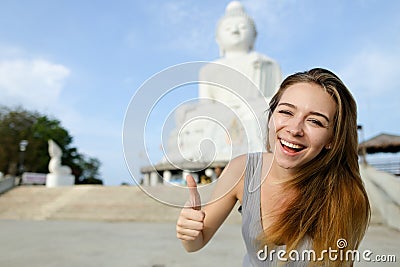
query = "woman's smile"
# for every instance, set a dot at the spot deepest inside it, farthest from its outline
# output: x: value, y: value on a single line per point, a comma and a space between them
x: 291, y: 148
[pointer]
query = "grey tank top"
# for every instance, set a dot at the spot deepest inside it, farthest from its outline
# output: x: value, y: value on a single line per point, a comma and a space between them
x: 251, y: 220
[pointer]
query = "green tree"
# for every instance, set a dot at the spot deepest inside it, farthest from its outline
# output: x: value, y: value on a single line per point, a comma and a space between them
x: 15, y: 125
x: 90, y: 170
x: 19, y: 124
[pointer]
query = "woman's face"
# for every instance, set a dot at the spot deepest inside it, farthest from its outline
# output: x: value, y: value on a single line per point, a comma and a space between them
x: 301, y: 125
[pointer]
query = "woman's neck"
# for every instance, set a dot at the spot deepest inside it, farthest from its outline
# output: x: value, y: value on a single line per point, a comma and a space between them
x: 279, y: 174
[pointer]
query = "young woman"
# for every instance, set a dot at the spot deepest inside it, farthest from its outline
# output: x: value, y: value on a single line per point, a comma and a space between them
x: 305, y: 195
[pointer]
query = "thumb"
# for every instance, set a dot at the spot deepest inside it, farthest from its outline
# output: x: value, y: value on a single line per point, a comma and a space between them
x: 194, y: 196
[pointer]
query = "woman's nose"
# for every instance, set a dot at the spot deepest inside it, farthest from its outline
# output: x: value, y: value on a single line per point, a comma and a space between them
x: 295, y: 127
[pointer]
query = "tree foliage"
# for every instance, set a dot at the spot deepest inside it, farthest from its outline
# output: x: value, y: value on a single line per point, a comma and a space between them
x: 18, y: 124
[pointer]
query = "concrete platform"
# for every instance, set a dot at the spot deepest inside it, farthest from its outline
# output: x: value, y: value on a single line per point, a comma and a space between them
x: 122, y: 226
x: 139, y: 244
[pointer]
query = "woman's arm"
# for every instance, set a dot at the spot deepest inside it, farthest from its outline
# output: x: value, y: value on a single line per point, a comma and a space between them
x: 195, y: 227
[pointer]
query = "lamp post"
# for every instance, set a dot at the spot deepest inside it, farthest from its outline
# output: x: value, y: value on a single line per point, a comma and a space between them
x: 363, y: 149
x: 22, y: 148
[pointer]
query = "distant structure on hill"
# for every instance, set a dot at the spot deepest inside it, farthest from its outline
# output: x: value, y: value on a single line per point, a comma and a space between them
x: 229, y: 118
x: 385, y: 149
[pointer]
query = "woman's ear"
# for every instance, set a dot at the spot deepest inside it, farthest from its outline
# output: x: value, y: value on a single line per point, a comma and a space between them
x: 328, y: 146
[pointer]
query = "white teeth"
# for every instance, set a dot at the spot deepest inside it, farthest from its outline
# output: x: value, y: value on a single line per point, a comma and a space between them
x: 290, y: 144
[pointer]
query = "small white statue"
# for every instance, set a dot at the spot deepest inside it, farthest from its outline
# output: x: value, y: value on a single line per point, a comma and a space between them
x: 55, y: 160
x: 59, y: 175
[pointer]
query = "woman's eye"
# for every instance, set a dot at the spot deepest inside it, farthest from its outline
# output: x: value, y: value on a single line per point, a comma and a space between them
x: 285, y: 112
x: 316, y: 122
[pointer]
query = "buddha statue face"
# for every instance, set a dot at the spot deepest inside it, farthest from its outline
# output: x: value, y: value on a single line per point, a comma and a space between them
x: 236, y: 30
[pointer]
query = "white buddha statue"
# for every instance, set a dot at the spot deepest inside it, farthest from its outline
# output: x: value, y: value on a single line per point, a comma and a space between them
x: 236, y: 35
x: 234, y: 92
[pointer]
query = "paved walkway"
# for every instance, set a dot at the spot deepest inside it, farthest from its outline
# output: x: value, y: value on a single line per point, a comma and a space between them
x: 138, y: 244
x: 121, y: 226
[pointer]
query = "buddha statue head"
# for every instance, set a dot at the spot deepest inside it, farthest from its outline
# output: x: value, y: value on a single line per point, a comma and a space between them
x: 235, y: 30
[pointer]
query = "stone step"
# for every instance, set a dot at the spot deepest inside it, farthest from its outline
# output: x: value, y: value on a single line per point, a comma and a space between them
x: 94, y: 202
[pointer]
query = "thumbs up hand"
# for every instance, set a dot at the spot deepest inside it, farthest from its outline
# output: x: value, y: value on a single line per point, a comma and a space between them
x: 194, y: 196
x: 190, y: 223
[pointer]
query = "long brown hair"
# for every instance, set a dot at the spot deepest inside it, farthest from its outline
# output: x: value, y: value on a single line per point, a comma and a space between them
x: 331, y: 202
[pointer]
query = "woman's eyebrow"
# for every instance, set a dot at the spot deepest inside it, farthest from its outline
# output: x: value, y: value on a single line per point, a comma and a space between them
x: 312, y: 112
x: 320, y: 114
x: 287, y: 104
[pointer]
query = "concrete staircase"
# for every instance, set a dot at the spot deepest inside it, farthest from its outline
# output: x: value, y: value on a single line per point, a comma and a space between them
x: 159, y: 203
x: 94, y: 203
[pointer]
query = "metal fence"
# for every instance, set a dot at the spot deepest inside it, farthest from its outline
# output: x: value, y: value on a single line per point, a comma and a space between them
x: 390, y: 165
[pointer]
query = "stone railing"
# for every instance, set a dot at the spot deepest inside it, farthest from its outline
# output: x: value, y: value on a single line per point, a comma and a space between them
x: 384, y: 194
x: 6, y: 184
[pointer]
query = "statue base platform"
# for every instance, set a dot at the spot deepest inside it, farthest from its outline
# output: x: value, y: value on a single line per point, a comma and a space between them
x: 55, y: 180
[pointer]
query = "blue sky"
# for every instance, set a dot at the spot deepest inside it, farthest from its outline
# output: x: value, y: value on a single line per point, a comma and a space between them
x: 82, y: 61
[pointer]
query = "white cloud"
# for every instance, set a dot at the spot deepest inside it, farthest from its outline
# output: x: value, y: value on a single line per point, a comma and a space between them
x: 33, y: 83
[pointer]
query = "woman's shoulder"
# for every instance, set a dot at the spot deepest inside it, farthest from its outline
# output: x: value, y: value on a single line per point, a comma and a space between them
x: 235, y: 171
x: 232, y: 176
x: 240, y: 162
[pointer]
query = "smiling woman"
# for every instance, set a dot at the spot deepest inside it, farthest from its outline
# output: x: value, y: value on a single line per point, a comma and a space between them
x: 304, y: 194
x: 315, y: 113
